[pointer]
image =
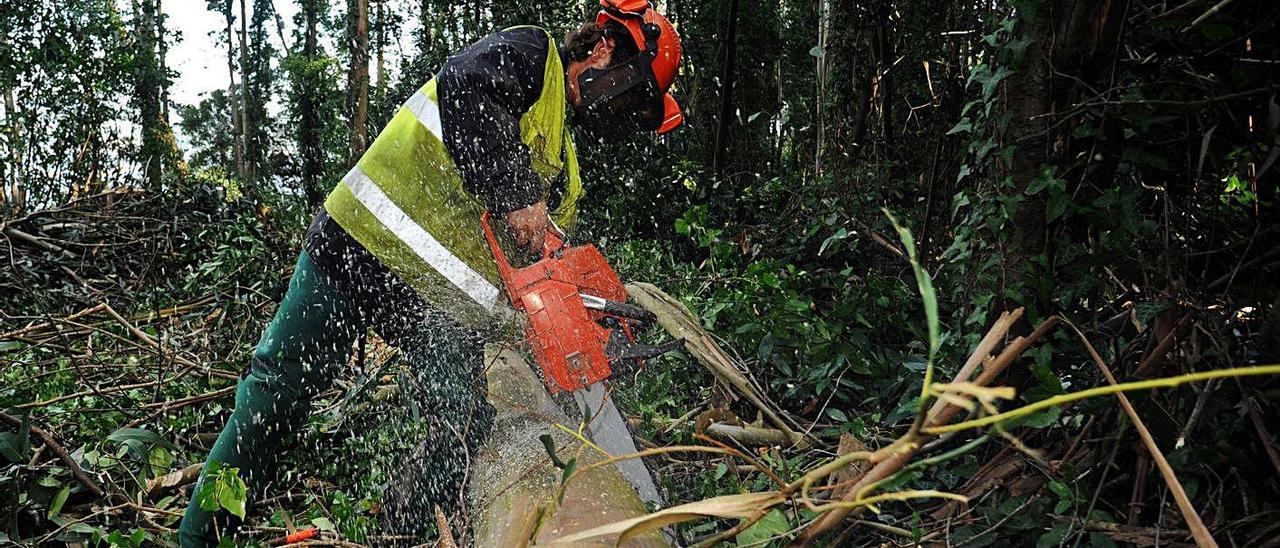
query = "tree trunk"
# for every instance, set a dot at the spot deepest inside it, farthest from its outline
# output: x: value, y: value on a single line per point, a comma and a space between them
x: 728, y: 48
x: 824, y: 24
x: 311, y: 130
x: 159, y: 149
x: 13, y: 193
x: 1072, y: 42
x: 249, y: 173
x: 237, y: 131
x: 358, y: 77
x: 379, y: 45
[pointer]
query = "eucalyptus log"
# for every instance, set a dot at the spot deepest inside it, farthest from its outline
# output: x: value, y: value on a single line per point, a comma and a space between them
x: 516, y: 487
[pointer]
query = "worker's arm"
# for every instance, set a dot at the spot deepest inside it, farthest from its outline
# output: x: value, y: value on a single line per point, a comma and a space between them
x: 483, y: 91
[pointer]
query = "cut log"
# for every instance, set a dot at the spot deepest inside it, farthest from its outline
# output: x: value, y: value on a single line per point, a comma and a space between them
x: 515, y: 486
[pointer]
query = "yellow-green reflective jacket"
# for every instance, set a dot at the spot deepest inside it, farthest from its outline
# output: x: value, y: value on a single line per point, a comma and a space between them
x: 404, y: 200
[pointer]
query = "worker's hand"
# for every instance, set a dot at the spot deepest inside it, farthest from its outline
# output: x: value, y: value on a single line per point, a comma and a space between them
x: 529, y: 226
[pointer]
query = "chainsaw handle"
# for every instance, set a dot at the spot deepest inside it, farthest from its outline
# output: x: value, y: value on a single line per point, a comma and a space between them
x: 552, y: 243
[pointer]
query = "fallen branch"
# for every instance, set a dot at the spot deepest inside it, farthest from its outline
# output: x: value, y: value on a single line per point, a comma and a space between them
x: 748, y: 435
x: 895, y: 462
x: 1140, y: 536
x: 60, y: 451
x: 681, y: 324
x: 1198, y: 530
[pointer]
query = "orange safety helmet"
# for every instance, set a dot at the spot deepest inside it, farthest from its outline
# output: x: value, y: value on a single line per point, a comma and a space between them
x: 655, y: 37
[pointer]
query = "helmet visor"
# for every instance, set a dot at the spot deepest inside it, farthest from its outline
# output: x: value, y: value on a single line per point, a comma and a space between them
x: 626, y: 92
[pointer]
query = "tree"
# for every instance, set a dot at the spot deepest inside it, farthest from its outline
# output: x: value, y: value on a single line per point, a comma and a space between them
x: 314, y: 102
x: 358, y: 77
x: 729, y: 52
x: 258, y: 82
x: 1070, y: 43
x: 159, y: 151
x: 225, y: 7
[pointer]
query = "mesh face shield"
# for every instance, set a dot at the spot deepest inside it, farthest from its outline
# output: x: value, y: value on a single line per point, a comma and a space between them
x: 625, y: 92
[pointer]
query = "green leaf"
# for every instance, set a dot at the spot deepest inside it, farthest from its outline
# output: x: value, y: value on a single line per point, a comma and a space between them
x: 1054, y: 537
x: 1057, y: 205
x: 55, y: 506
x: 322, y: 523
x: 223, y: 488
x: 927, y: 294
x: 774, y: 524
x: 143, y: 435
x: 17, y: 447
x: 837, y: 415
x: 961, y: 127
x: 839, y: 235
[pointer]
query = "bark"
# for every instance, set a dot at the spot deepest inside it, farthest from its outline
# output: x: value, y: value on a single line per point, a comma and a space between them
x: 159, y: 148
x: 246, y: 144
x: 233, y: 97
x: 1072, y: 46
x: 824, y: 24
x: 729, y: 48
x: 380, y: 42
x: 515, y: 487
x: 310, y: 132
x: 358, y: 77
x: 13, y: 193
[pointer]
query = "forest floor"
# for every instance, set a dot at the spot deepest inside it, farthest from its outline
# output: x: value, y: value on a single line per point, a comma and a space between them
x: 131, y: 317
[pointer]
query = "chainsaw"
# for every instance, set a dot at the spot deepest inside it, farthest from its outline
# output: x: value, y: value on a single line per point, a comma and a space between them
x: 580, y: 325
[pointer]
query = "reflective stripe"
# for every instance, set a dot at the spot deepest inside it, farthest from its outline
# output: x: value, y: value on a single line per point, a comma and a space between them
x: 419, y: 240
x: 427, y: 112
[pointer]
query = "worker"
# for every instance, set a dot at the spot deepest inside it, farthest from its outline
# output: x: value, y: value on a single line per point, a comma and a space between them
x: 399, y: 247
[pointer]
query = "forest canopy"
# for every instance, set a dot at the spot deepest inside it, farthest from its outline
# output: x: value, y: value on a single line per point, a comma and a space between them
x: 863, y: 197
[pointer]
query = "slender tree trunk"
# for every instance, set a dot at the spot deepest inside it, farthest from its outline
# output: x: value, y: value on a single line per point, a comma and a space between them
x: 728, y: 47
x: 14, y: 193
x: 358, y: 77
x: 250, y: 170
x: 237, y: 131
x: 284, y: 43
x: 311, y: 130
x: 824, y: 22
x: 380, y: 41
x: 159, y: 149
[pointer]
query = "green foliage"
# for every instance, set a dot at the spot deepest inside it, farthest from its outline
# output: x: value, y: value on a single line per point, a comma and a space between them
x: 222, y: 489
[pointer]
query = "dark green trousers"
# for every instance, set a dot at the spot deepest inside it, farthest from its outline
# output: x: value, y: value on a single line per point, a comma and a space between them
x: 308, y: 340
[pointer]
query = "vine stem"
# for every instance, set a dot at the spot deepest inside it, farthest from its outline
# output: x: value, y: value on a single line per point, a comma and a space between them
x: 1194, y: 523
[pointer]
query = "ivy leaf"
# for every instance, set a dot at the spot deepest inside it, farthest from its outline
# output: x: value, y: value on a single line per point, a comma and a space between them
x: 1057, y: 205
x: 17, y: 447
x: 989, y: 85
x: 124, y: 435
x: 773, y: 525
x: 837, y: 414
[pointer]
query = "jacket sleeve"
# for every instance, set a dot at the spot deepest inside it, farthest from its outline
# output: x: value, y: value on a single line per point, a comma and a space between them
x: 483, y: 92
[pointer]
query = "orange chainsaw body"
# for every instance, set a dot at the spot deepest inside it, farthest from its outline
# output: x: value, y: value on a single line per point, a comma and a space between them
x: 567, y: 338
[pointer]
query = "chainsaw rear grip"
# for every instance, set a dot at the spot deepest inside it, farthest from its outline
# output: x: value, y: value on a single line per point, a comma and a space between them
x: 552, y: 243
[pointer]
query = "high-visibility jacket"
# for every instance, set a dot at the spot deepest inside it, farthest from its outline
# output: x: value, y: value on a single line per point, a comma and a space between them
x: 404, y: 201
